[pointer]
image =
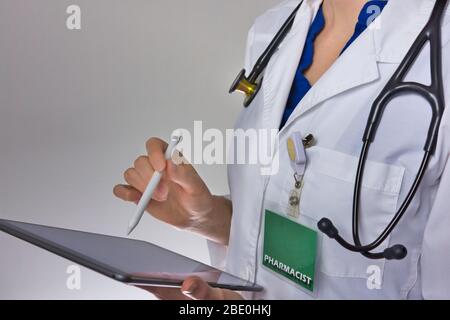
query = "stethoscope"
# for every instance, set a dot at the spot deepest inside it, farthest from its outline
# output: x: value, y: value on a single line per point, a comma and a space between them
x: 397, y: 85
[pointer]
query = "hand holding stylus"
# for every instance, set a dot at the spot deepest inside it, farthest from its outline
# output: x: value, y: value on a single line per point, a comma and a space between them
x: 152, y: 185
x: 181, y: 198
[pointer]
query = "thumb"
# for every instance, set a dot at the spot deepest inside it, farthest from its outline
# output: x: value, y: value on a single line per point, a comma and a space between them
x: 184, y: 174
x: 197, y: 289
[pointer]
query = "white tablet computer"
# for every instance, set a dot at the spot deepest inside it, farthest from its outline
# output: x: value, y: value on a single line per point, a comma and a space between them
x: 129, y: 261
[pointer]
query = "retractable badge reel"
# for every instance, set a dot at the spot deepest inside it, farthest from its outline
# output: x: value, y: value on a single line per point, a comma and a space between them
x: 296, y: 146
x: 297, y: 264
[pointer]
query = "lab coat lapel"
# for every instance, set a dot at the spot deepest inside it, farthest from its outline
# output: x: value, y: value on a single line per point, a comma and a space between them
x: 386, y: 41
x: 355, y: 67
x: 281, y: 69
x: 393, y: 46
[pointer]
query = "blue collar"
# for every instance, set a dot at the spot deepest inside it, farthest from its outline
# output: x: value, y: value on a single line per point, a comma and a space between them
x: 301, y: 85
x: 371, y: 10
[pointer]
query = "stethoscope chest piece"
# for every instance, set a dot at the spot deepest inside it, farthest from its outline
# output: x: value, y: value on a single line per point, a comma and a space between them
x: 247, y: 87
x: 251, y: 85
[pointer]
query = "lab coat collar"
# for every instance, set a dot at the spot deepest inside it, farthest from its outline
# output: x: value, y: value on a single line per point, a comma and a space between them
x: 346, y: 73
x: 398, y: 27
x: 280, y: 71
x: 386, y: 41
x: 355, y: 67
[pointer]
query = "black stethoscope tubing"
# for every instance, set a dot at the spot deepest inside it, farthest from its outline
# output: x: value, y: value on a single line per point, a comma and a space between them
x: 433, y: 94
x: 264, y: 59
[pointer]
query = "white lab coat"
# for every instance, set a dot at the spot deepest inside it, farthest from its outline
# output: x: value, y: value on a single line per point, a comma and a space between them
x: 335, y: 111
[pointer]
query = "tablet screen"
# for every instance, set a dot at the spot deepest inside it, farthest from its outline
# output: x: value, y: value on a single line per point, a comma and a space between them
x: 126, y: 260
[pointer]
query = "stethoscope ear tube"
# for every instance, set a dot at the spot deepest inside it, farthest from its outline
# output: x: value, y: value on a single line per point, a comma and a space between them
x: 434, y: 95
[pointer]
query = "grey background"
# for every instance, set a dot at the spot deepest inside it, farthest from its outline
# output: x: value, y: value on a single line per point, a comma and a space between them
x: 76, y: 108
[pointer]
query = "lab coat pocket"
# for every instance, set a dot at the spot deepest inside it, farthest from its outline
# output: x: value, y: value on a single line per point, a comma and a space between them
x: 328, y: 192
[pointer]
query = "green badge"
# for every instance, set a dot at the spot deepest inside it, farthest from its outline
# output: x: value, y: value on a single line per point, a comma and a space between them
x: 290, y: 249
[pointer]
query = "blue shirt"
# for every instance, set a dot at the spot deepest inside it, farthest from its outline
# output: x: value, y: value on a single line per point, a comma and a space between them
x: 301, y: 85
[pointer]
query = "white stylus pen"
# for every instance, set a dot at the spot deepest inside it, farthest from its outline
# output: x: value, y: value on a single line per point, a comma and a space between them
x: 148, y: 193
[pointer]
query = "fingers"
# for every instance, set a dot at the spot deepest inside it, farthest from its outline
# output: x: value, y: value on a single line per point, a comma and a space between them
x: 156, y: 150
x: 181, y: 173
x: 180, y: 170
x: 197, y: 289
x: 144, y: 168
x: 139, y: 176
x: 134, y: 179
x: 130, y: 194
x: 166, y: 293
x: 145, y: 171
x: 193, y: 288
x: 201, y: 291
x: 127, y: 193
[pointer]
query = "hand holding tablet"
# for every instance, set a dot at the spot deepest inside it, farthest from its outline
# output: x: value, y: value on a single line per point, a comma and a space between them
x: 129, y: 261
